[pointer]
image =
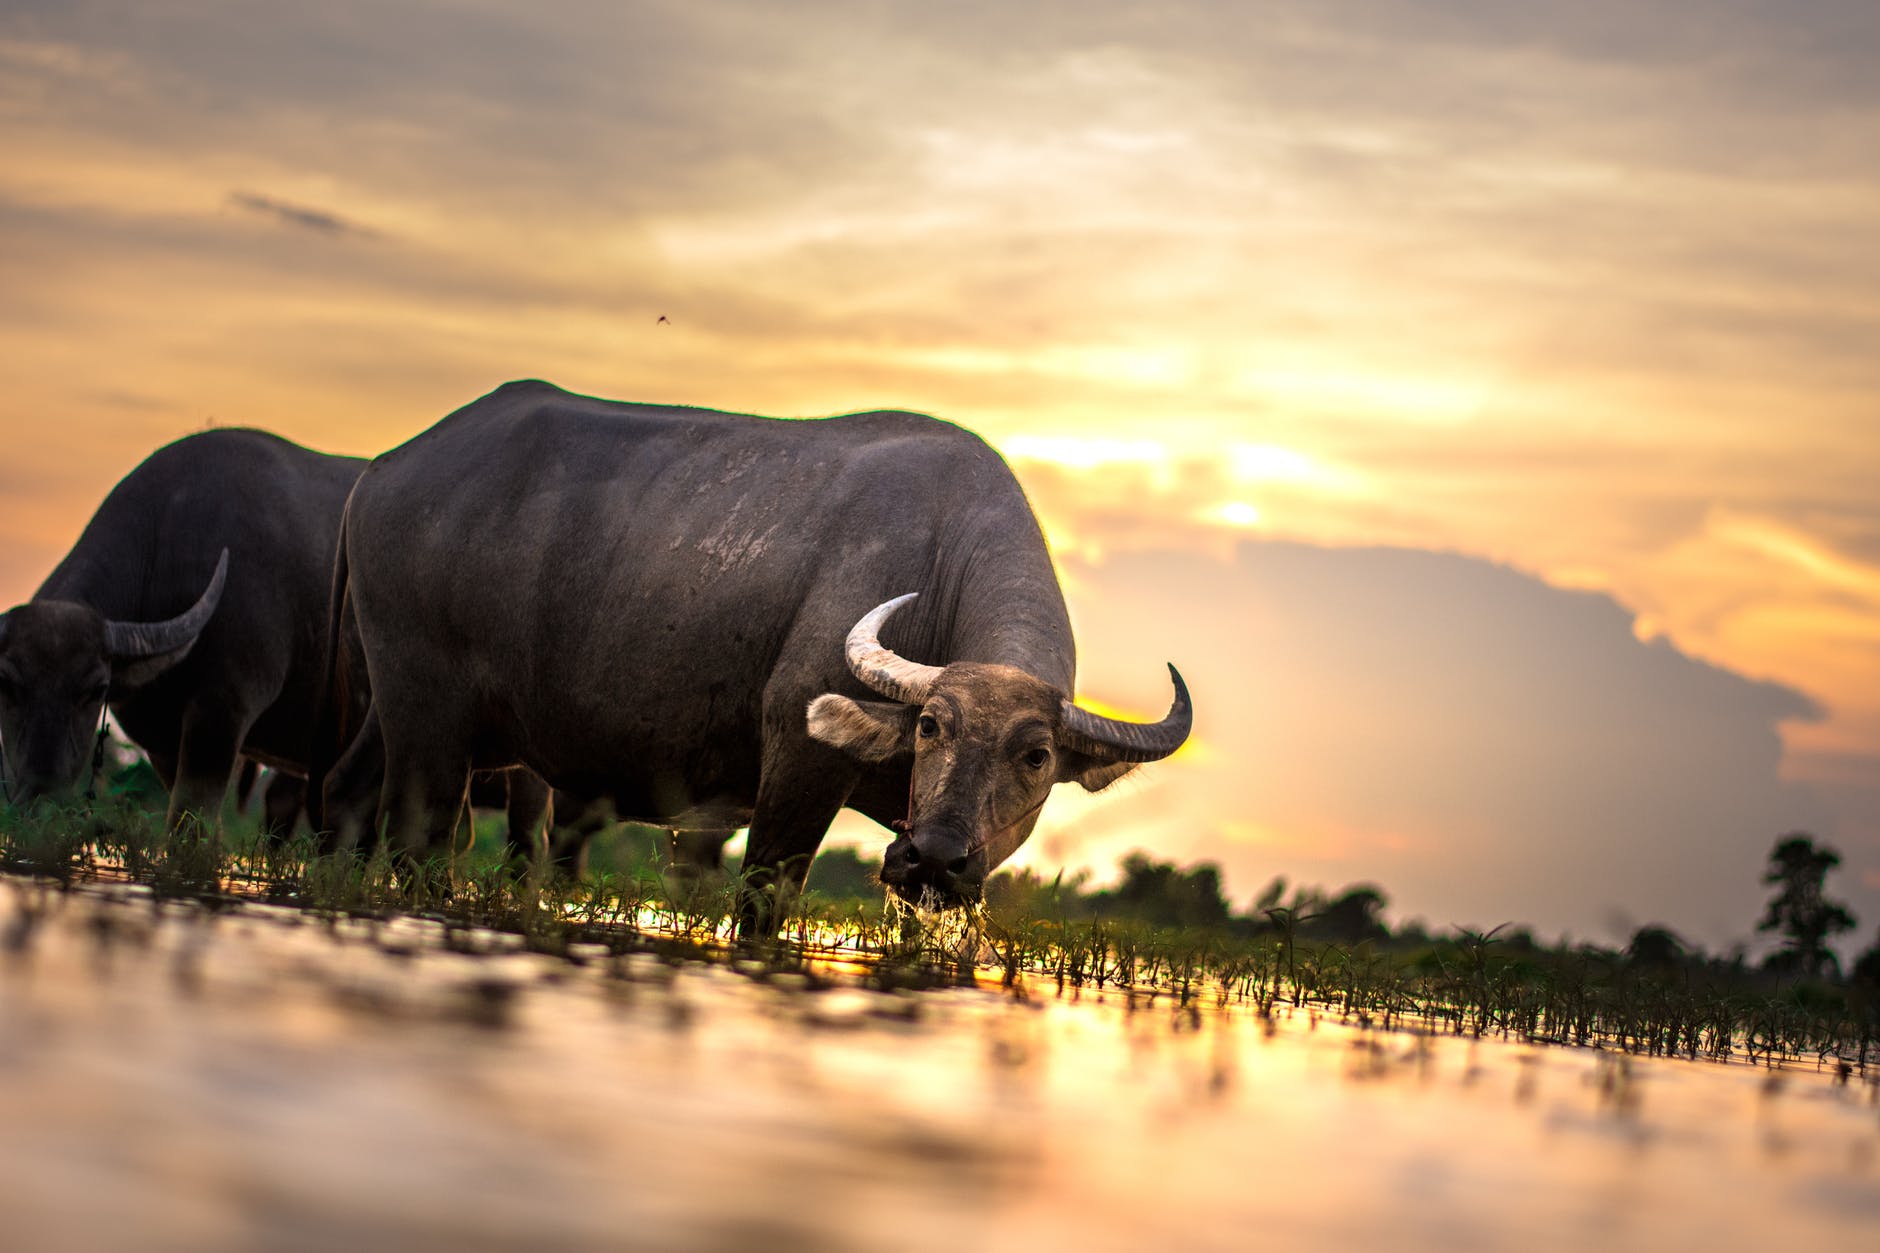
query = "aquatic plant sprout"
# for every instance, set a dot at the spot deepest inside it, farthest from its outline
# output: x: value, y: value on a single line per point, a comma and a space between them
x: 1470, y: 984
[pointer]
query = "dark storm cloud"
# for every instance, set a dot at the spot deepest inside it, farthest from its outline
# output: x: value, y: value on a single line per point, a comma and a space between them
x: 1486, y: 746
x: 301, y: 217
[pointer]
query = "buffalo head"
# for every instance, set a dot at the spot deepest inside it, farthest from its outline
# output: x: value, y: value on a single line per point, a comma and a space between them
x: 58, y: 662
x: 988, y: 742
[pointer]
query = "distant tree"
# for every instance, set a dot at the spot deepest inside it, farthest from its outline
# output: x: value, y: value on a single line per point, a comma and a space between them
x: 1800, y: 910
x: 1270, y: 896
x: 1866, y: 969
x: 1026, y: 893
x: 1655, y: 946
x: 1158, y: 892
x: 1351, y: 917
x: 1520, y: 940
x: 843, y: 873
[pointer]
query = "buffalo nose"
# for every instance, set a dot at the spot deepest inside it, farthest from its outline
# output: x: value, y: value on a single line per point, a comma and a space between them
x: 913, y: 871
x: 906, y: 857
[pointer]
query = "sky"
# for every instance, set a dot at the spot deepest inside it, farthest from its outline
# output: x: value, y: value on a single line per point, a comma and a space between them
x: 1477, y: 401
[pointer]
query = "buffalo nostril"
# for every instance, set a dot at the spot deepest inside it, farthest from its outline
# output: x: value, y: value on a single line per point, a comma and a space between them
x: 957, y: 866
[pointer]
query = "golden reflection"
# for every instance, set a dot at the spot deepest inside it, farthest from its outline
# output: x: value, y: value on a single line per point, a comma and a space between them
x: 386, y: 1081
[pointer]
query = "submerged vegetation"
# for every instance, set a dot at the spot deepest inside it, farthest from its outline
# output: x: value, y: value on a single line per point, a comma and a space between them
x: 1162, y: 932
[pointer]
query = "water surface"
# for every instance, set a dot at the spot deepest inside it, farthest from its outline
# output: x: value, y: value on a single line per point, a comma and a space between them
x: 172, y: 1078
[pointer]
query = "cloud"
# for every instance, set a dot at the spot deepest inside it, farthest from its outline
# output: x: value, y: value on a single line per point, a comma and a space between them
x: 1544, y: 284
x: 1487, y: 747
x: 319, y: 221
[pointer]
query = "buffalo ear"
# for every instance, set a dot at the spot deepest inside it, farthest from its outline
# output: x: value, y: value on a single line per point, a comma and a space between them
x: 1093, y: 774
x: 866, y: 730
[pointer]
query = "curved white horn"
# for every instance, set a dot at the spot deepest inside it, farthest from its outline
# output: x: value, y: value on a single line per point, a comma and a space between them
x: 878, y: 666
x: 1114, y: 740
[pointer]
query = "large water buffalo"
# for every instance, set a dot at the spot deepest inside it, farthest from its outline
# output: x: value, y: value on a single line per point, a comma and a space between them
x: 694, y: 612
x: 195, y: 600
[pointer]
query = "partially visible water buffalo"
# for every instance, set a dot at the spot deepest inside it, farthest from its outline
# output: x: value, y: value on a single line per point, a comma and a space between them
x: 652, y: 603
x: 196, y: 598
x: 282, y: 798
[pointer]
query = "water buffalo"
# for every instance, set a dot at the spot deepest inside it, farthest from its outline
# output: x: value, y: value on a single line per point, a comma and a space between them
x: 652, y: 603
x: 195, y: 600
x: 281, y: 798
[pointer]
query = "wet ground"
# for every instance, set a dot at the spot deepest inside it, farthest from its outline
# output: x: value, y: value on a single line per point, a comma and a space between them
x: 176, y: 1079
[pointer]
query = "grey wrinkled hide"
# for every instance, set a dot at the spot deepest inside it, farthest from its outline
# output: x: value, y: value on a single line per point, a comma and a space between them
x: 251, y: 681
x: 641, y: 602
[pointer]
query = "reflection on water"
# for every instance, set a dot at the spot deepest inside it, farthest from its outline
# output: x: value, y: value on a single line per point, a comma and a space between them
x: 175, y: 1079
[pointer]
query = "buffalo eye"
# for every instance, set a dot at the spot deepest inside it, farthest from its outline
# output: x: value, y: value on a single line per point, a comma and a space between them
x: 1037, y: 757
x: 929, y: 726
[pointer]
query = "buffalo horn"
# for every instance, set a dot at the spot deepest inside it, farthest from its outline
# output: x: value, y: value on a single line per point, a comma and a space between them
x: 1114, y: 740
x: 152, y: 639
x: 879, y: 667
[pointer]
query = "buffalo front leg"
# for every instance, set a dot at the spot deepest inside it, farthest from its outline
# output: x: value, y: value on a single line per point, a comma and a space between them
x: 205, y: 762
x: 577, y: 820
x: 794, y: 810
x: 245, y: 782
x: 698, y: 854
x: 530, y: 810
x: 281, y: 804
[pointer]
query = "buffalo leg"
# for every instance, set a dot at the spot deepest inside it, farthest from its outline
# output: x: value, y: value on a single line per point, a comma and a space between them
x: 699, y: 854
x: 281, y: 804
x: 352, y: 789
x: 245, y: 782
x: 530, y: 811
x: 578, y: 819
x: 205, y: 762
x: 165, y: 766
x: 426, y: 790
x: 794, y: 810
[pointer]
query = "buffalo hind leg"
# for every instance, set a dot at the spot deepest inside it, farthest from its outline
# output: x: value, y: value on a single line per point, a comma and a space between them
x: 351, y: 792
x: 423, y: 801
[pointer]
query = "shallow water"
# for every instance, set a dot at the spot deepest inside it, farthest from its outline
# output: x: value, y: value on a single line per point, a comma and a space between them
x: 174, y: 1079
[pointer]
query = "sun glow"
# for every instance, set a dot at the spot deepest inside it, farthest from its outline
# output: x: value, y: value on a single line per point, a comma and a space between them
x: 1422, y: 399
x: 1272, y: 463
x: 1799, y: 552
x: 1080, y: 453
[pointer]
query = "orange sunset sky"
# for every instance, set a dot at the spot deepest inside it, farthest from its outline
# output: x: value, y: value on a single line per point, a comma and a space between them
x: 1477, y: 401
